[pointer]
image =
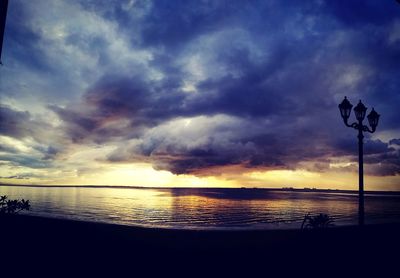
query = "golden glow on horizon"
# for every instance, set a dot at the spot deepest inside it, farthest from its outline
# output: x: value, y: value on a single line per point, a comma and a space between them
x: 86, y: 165
x: 279, y: 175
x: 139, y: 174
x: 142, y: 174
x: 342, y: 165
x: 145, y: 175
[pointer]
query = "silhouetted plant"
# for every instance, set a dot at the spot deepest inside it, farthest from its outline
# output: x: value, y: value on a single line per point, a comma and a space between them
x: 317, y: 222
x: 13, y: 206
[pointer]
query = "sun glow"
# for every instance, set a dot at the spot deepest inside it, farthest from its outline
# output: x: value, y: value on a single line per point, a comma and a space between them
x: 139, y: 174
x: 279, y: 175
x: 143, y: 174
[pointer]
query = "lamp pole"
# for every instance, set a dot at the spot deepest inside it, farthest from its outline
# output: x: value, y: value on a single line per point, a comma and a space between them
x: 373, y: 119
x: 360, y: 175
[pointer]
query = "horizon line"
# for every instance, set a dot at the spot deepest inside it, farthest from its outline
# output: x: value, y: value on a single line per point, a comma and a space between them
x: 284, y: 188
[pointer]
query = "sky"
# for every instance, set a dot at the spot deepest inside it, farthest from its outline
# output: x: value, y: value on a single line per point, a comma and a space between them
x: 198, y: 93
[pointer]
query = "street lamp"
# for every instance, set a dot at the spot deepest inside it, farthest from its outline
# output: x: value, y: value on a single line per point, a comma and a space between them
x: 373, y: 119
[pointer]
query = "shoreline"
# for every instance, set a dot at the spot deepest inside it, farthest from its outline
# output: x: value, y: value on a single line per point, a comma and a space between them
x: 284, y: 227
x: 58, y: 241
x: 206, y: 230
x: 38, y: 223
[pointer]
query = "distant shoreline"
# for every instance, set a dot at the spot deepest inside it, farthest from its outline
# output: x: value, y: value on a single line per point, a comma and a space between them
x: 284, y: 189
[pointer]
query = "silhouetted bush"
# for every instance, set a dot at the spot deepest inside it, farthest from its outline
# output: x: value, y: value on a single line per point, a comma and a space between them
x: 13, y: 206
x: 319, y: 221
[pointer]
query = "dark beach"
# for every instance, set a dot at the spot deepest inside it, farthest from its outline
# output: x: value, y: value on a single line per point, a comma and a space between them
x: 67, y: 244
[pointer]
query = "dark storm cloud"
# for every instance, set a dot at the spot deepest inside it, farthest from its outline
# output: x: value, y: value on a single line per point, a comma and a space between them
x: 20, y: 125
x: 170, y: 23
x: 292, y: 87
x: 376, y: 147
x: 14, y: 123
x: 8, y: 149
x: 379, y: 157
x: 120, y: 97
x: 165, y: 23
x: 115, y: 98
x: 383, y: 164
x: 49, y: 152
x: 267, y: 78
x: 394, y: 142
x: 78, y: 126
x: 357, y: 13
x: 19, y: 36
x: 25, y: 160
x: 348, y: 146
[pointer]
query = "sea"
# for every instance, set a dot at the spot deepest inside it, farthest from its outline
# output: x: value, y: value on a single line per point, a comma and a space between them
x: 203, y: 208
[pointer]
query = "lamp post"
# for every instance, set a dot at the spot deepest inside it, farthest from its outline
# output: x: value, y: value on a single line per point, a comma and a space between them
x: 373, y: 118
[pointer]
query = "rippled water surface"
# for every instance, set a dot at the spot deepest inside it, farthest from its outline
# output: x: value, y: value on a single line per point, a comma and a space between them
x: 202, y: 208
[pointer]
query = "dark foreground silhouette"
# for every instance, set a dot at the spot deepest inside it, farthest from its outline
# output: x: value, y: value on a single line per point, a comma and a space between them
x: 8, y: 206
x: 319, y: 221
x: 40, y: 244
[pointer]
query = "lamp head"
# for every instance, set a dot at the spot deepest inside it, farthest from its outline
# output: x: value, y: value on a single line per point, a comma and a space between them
x: 345, y: 109
x: 359, y: 111
x: 373, y: 119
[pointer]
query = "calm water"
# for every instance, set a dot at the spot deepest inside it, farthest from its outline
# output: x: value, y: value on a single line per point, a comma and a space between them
x: 202, y: 208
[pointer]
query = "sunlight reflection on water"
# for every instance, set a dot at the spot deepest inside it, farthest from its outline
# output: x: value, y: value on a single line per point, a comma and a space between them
x: 202, y: 208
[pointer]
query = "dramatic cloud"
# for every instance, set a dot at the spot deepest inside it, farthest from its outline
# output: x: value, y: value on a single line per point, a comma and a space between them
x: 190, y: 86
x: 14, y: 123
x: 394, y: 142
